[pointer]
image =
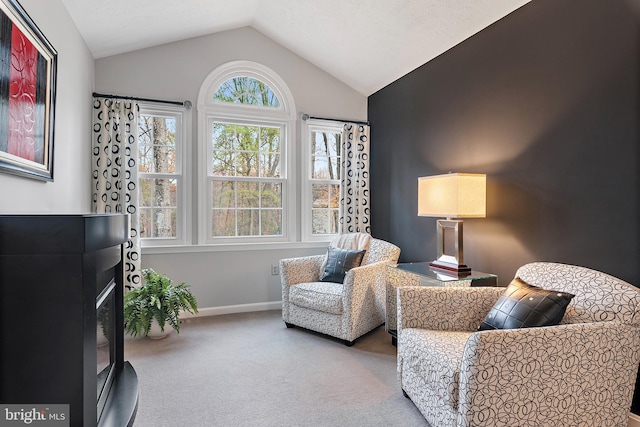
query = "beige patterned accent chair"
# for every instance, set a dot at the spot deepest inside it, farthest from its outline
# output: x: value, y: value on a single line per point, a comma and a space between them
x: 581, y: 372
x: 345, y: 310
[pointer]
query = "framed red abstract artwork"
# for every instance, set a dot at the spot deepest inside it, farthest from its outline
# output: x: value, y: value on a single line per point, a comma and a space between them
x: 27, y: 95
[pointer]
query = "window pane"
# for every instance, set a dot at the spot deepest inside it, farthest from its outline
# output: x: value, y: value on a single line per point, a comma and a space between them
x: 223, y: 136
x: 145, y: 188
x: 158, y: 203
x: 248, y: 222
x: 335, y: 220
x: 241, y: 150
x: 271, y: 195
x: 247, y: 138
x: 325, y: 221
x: 223, y: 222
x: 320, y: 221
x: 334, y: 167
x: 164, y: 223
x: 325, y: 167
x: 320, y: 196
x: 246, y: 163
x: 164, y: 192
x: 157, y: 144
x: 334, y: 195
x: 270, y: 139
x: 164, y: 159
x: 248, y: 195
x: 319, y: 167
x: 157, y: 192
x: 224, y: 194
x: 224, y: 163
x: 158, y: 222
x: 145, y: 158
x: 246, y: 90
x: 270, y: 165
x: 145, y: 223
x: 325, y: 144
x: 271, y: 222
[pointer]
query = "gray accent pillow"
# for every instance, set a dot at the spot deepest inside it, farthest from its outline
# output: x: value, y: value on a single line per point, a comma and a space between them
x: 339, y: 261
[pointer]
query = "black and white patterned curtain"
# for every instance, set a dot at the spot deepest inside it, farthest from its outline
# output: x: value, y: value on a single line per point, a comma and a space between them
x: 115, y: 170
x: 354, y: 193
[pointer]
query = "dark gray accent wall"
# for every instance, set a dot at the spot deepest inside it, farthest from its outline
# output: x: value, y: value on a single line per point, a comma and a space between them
x: 546, y: 103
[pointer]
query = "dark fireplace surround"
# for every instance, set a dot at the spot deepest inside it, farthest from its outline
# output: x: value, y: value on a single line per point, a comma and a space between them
x: 61, y: 316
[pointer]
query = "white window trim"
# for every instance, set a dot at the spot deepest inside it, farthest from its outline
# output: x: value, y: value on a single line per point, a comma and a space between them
x: 267, y: 246
x: 183, y: 162
x: 306, y: 216
x: 284, y: 116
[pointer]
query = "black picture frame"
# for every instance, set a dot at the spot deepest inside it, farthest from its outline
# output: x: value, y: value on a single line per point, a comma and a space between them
x: 28, y: 67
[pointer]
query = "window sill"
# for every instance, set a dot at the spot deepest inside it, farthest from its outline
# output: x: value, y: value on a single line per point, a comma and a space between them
x: 235, y: 247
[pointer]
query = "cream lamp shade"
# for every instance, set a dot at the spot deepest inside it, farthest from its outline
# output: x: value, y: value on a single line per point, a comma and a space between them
x: 453, y: 195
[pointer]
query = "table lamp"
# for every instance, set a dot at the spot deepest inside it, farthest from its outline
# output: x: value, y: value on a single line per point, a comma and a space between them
x: 453, y: 195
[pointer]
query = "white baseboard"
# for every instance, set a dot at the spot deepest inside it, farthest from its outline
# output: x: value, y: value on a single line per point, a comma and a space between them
x: 230, y: 309
x: 634, y: 420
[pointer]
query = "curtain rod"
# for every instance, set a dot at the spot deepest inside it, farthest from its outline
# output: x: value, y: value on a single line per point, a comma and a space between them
x: 187, y: 104
x: 306, y: 117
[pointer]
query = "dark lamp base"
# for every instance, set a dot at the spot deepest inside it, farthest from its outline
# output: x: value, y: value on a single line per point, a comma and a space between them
x: 460, y: 270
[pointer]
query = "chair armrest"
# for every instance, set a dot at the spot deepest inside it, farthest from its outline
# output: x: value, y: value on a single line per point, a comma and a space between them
x: 558, y: 375
x: 301, y: 269
x: 363, y: 298
x: 444, y: 309
x: 359, y: 278
x: 366, y: 279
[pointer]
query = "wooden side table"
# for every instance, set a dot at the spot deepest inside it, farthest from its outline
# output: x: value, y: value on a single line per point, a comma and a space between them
x: 420, y: 274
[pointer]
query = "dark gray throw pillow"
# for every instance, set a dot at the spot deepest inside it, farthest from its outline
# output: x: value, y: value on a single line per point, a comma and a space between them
x: 526, y: 306
x: 339, y: 261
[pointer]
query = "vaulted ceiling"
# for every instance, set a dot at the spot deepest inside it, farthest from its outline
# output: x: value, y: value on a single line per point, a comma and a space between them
x: 367, y: 44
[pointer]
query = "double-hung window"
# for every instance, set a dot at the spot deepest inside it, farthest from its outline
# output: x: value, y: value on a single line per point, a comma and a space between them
x: 246, y: 124
x: 322, y: 144
x: 162, y: 187
x: 245, y: 178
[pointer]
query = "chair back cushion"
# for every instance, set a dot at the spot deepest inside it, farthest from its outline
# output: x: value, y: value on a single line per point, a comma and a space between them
x: 598, y: 297
x: 376, y: 250
x: 355, y: 241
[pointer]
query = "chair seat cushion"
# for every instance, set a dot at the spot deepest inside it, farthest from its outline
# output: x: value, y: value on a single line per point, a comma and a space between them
x: 434, y: 359
x: 321, y: 296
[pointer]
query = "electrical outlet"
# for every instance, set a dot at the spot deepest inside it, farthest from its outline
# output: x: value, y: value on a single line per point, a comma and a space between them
x: 275, y: 270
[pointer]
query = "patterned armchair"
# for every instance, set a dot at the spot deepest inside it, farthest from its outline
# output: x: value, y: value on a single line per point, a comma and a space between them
x: 581, y: 372
x: 345, y: 310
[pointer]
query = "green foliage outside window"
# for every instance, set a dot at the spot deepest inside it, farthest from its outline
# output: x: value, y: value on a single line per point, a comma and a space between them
x: 246, y: 166
x: 248, y: 91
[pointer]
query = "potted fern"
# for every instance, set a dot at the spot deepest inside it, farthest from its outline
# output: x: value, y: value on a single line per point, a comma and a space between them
x: 157, y: 300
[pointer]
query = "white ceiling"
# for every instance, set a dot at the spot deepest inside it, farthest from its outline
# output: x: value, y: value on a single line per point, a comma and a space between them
x: 367, y: 44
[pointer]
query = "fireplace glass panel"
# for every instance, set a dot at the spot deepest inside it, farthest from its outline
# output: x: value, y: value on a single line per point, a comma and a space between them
x: 105, y: 334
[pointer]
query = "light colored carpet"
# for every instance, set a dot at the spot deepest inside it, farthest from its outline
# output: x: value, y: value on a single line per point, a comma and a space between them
x: 249, y: 370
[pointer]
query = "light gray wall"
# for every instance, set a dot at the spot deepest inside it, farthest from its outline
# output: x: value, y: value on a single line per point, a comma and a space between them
x: 176, y: 71
x: 70, y: 190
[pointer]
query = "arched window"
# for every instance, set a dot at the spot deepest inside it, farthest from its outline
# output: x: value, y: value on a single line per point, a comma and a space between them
x: 248, y: 91
x: 246, y: 120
